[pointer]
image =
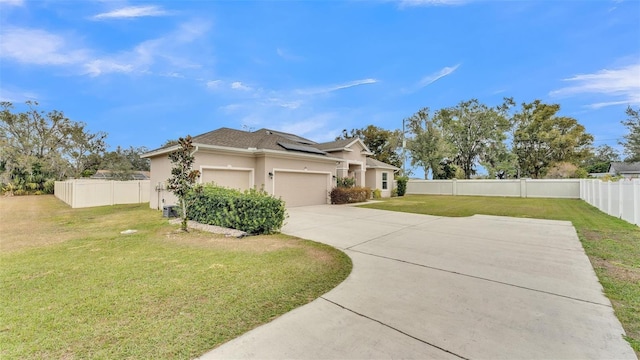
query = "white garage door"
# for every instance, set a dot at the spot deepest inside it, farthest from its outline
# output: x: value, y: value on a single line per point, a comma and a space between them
x: 300, y: 189
x: 234, y: 179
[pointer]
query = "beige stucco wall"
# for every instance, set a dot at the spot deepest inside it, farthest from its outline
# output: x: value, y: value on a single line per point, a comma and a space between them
x: 354, y: 164
x: 370, y: 180
x: 228, y: 160
x: 374, y: 180
x: 160, y: 172
x: 259, y: 164
x: 356, y: 154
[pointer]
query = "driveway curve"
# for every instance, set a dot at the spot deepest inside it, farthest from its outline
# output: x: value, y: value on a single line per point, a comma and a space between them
x: 428, y: 287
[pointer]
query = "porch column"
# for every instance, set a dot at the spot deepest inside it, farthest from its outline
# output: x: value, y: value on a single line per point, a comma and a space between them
x: 342, y: 169
x: 359, y: 173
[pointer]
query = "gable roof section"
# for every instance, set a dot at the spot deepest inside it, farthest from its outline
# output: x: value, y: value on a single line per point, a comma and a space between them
x: 624, y: 168
x: 376, y: 164
x: 228, y: 138
x: 343, y: 145
x: 263, y: 139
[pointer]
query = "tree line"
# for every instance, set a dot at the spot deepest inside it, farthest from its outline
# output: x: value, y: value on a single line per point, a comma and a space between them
x: 532, y: 140
x: 38, y: 148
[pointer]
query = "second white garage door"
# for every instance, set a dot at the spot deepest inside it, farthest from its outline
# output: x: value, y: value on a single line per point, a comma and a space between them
x: 300, y: 189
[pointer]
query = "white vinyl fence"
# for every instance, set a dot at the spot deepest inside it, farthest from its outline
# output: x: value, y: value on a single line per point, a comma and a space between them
x: 81, y: 193
x: 620, y: 199
x: 544, y: 188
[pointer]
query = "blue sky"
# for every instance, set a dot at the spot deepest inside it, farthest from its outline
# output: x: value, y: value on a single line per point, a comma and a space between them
x: 146, y: 72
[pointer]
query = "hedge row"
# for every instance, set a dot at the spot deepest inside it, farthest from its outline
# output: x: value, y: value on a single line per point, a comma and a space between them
x: 402, y: 185
x: 251, y: 211
x: 341, y: 195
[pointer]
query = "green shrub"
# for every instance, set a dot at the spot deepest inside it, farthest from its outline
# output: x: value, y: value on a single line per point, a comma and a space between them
x: 49, y: 186
x: 610, y: 177
x: 402, y: 185
x: 377, y: 194
x: 252, y: 211
x: 346, y: 182
x: 8, y: 189
x: 341, y: 195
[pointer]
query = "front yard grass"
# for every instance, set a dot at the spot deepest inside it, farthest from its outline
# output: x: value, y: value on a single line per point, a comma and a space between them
x: 613, y: 245
x: 73, y: 287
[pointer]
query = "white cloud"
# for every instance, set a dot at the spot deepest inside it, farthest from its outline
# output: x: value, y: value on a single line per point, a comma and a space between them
x: 353, y: 83
x: 163, y: 56
x: 331, y: 88
x: 131, y: 12
x: 39, y: 47
x: 167, y: 52
x: 237, y: 85
x: 14, y: 95
x: 214, y: 84
x: 173, y: 74
x: 289, y: 104
x: 622, y: 85
x: 12, y: 2
x: 230, y: 108
x: 415, y: 3
x: 102, y: 66
x: 304, y: 127
x: 287, y: 55
x: 431, y: 78
x: 285, y: 110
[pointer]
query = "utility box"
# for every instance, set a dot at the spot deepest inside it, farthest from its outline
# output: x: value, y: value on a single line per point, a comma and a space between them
x: 169, y: 211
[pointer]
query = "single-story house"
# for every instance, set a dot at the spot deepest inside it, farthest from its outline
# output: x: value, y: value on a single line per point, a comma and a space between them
x: 299, y: 170
x: 628, y: 170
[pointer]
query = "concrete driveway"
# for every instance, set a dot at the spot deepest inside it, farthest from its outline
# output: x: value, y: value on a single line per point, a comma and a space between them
x: 428, y: 287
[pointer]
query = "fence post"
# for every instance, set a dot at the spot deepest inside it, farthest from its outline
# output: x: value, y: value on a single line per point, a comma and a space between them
x: 74, y: 192
x: 599, y: 196
x: 454, y: 187
x: 636, y: 200
x: 523, y: 188
x: 620, y: 197
x: 608, y: 198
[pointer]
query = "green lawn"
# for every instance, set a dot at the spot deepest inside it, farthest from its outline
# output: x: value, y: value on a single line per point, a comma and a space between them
x: 613, y: 245
x: 73, y: 287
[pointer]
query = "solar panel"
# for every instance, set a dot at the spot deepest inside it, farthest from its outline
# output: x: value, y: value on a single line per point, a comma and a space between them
x: 301, y: 148
x: 292, y: 137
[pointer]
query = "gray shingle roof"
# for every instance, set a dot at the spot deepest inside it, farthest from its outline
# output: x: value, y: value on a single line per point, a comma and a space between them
x: 625, y: 168
x: 337, y: 144
x: 259, y: 139
x: 373, y: 163
x: 291, y: 137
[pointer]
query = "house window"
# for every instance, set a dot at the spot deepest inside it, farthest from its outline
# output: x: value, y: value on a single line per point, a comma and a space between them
x: 384, y: 181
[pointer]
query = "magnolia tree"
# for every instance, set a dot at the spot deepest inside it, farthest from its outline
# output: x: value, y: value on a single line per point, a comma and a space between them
x: 183, y: 178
